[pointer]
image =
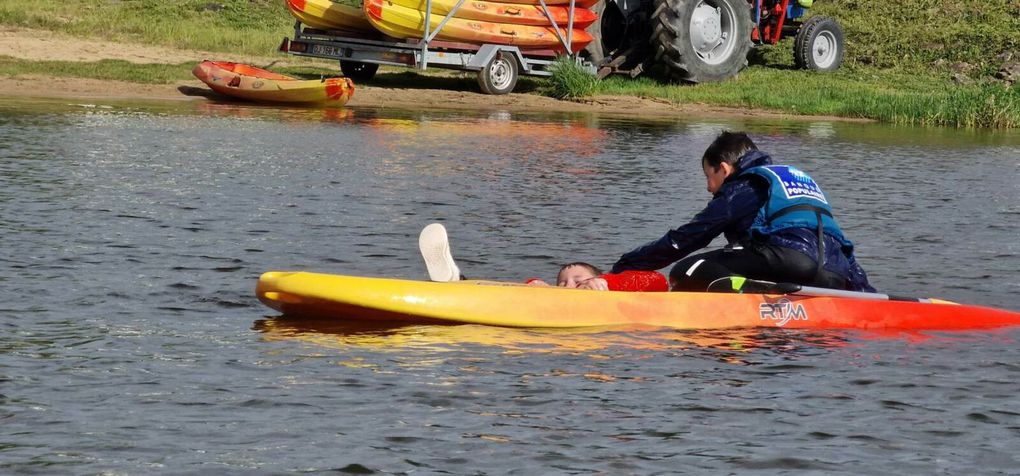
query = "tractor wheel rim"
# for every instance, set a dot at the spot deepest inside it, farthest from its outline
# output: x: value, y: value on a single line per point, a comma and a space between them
x: 824, y: 50
x: 712, y: 31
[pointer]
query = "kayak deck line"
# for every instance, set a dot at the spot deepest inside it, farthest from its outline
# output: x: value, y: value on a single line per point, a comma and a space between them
x: 367, y: 299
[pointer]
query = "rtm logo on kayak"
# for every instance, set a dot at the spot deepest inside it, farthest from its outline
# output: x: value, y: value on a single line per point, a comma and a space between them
x: 782, y: 312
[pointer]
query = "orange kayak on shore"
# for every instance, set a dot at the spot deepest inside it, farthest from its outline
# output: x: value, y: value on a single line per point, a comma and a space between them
x: 359, y: 299
x: 399, y: 21
x: 256, y: 84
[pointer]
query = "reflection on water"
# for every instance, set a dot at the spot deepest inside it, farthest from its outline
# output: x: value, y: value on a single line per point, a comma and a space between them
x: 728, y: 344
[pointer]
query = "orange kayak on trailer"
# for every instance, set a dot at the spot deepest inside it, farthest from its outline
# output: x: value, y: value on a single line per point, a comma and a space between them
x: 327, y: 15
x: 256, y: 84
x: 499, y: 12
x: 402, y: 22
x: 359, y: 299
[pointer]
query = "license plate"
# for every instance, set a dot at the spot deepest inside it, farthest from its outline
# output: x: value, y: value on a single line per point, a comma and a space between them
x: 328, y: 50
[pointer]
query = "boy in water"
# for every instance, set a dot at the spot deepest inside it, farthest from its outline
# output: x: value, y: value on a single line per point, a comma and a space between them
x: 435, y: 248
x: 580, y: 275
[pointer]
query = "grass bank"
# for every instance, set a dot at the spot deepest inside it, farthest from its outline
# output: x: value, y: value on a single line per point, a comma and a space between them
x: 900, y: 65
x: 247, y: 27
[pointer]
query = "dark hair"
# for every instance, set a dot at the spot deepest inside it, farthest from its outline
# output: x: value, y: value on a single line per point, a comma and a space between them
x: 729, y: 147
x: 590, y: 267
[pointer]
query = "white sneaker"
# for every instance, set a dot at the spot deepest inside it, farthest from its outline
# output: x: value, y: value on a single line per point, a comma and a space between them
x: 435, y: 248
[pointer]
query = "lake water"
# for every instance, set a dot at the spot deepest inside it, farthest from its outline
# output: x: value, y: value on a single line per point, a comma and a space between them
x: 131, y: 237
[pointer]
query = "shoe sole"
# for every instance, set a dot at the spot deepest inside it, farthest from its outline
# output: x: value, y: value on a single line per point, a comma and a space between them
x: 435, y: 248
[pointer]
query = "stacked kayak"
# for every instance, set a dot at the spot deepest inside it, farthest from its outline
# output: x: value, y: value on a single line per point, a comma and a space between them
x: 499, y: 12
x: 360, y: 299
x: 521, y: 23
x: 256, y: 84
x: 399, y: 21
x: 328, y: 15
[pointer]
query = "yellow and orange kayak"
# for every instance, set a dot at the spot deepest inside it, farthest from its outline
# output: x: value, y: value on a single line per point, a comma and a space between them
x: 399, y: 21
x: 360, y: 299
x: 327, y: 15
x: 256, y: 84
x: 499, y: 12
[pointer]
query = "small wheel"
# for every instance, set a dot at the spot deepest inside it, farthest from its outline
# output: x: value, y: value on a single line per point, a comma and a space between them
x: 499, y: 76
x: 357, y: 70
x: 819, y: 45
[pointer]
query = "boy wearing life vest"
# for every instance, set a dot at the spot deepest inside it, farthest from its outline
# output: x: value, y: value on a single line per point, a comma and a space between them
x: 777, y: 221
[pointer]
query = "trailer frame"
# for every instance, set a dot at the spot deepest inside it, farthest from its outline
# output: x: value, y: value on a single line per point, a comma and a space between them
x: 498, y: 66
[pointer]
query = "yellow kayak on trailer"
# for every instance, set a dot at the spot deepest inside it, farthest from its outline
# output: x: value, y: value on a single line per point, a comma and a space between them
x: 399, y: 21
x: 360, y: 299
x: 327, y: 15
x: 500, y: 12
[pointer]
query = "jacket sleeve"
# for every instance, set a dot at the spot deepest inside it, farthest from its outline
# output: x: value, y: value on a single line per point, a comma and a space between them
x: 737, y: 203
x: 636, y: 281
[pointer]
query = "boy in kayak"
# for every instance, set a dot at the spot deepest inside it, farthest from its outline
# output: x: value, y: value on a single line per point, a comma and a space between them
x: 435, y: 249
x: 777, y: 221
x: 580, y: 275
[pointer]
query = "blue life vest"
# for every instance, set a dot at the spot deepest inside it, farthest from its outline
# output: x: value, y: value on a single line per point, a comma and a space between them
x: 795, y: 201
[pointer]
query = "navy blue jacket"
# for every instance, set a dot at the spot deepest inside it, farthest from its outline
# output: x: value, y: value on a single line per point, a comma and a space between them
x: 731, y: 213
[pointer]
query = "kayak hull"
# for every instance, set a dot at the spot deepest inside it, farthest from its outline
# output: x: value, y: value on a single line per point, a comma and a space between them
x: 399, y: 21
x: 327, y: 15
x: 360, y: 299
x: 256, y: 84
x: 499, y: 12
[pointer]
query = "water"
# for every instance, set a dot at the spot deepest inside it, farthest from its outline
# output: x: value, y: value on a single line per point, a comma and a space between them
x: 131, y: 342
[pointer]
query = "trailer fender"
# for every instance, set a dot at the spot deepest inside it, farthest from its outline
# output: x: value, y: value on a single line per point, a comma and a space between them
x: 487, y: 52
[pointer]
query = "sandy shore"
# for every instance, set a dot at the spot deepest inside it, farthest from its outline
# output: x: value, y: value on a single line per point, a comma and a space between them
x: 44, y: 45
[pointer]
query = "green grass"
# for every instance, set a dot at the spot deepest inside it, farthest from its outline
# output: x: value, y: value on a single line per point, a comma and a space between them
x: 885, y: 96
x: 253, y: 27
x: 105, y: 69
x: 918, y: 33
x: 570, y: 81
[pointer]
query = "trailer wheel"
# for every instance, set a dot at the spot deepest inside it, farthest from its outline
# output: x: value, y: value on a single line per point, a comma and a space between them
x: 499, y: 76
x: 819, y: 45
x: 358, y: 70
x: 701, y: 40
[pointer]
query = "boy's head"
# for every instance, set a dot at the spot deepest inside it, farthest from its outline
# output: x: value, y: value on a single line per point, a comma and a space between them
x: 572, y: 274
x: 721, y: 157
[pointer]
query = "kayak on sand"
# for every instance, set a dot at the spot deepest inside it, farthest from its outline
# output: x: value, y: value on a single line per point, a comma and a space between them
x: 256, y: 84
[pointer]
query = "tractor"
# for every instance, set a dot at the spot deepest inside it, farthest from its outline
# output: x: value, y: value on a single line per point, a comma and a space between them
x: 698, y: 41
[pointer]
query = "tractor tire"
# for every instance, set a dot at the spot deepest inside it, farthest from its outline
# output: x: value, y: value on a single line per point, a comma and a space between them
x: 819, y: 45
x: 595, y: 51
x: 699, y: 41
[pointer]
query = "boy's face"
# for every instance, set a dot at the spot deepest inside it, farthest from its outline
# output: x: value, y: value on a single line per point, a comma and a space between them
x: 572, y: 276
x: 716, y: 176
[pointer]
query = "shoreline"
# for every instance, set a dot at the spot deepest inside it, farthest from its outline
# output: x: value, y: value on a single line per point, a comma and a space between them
x: 29, y: 87
x: 41, y: 45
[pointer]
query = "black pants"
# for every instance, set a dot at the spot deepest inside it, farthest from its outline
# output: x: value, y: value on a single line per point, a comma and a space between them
x: 755, y: 261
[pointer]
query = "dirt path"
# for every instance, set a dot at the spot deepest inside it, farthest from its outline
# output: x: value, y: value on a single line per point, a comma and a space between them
x: 44, y: 45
